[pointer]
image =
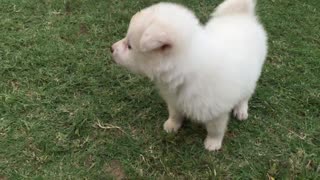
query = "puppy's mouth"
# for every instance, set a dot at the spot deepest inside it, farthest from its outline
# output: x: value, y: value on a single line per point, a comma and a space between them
x: 115, y: 58
x: 113, y: 54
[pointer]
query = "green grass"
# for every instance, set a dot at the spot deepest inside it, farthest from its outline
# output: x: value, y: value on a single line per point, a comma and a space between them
x: 68, y: 112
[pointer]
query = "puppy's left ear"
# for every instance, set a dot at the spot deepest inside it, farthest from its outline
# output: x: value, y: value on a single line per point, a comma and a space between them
x: 154, y: 37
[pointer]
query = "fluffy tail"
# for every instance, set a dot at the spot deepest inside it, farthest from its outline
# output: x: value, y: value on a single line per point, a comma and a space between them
x: 232, y: 7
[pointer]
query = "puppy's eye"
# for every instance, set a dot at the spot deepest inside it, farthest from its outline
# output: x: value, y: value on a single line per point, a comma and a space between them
x: 129, y: 46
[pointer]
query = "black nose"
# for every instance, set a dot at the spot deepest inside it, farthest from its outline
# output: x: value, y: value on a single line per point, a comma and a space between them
x: 111, y: 49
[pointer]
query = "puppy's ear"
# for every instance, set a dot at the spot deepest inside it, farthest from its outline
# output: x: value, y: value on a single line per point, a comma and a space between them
x: 154, y: 37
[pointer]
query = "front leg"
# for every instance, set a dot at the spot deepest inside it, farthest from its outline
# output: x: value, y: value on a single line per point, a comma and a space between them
x: 174, y: 121
x: 216, y: 129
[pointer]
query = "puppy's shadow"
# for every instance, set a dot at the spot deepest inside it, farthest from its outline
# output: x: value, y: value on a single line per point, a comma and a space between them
x: 190, y: 135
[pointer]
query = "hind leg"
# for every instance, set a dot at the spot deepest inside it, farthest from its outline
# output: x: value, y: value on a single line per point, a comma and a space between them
x: 240, y: 111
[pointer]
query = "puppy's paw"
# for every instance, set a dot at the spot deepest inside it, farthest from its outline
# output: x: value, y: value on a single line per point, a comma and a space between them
x: 171, y: 126
x: 212, y: 144
x: 241, y: 112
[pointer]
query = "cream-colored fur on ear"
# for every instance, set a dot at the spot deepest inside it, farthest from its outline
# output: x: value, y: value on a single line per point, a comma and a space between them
x: 154, y: 37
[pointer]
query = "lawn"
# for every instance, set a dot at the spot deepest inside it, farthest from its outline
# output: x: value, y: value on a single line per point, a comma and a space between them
x: 68, y: 112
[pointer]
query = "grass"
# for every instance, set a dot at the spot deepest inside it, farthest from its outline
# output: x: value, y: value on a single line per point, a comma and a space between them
x: 68, y: 112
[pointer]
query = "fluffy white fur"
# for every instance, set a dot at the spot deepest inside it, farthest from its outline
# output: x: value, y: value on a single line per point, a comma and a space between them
x: 203, y: 72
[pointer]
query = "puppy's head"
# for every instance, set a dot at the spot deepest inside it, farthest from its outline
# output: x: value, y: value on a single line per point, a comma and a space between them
x: 155, y: 35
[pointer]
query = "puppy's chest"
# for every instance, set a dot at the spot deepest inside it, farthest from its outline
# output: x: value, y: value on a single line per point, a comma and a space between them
x: 186, y: 101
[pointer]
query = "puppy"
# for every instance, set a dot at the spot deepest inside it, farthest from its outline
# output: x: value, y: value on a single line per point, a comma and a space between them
x: 203, y: 72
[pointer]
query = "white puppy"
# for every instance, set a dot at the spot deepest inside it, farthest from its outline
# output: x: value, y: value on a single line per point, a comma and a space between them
x: 202, y: 72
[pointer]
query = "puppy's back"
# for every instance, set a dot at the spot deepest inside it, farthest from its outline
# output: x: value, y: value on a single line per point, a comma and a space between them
x: 234, y: 7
